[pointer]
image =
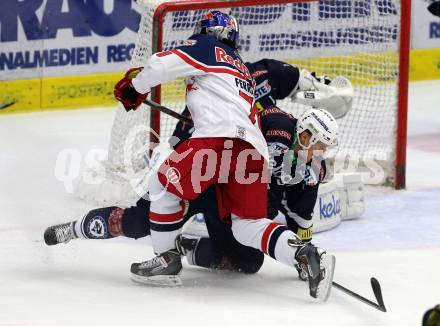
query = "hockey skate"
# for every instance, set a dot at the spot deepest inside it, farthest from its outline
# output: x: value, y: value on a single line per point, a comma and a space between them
x: 185, y: 244
x: 315, y: 264
x: 61, y: 233
x: 162, y: 270
x: 302, y: 273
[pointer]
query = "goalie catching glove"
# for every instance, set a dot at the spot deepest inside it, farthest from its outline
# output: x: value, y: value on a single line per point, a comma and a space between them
x: 126, y: 93
x: 335, y: 95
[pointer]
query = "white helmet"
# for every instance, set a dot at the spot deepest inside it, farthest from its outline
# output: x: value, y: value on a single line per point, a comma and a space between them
x: 321, y: 124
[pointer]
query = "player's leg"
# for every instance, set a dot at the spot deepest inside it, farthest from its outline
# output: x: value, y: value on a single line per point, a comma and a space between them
x: 184, y: 175
x: 234, y: 256
x: 248, y: 209
x: 219, y: 251
x: 103, y: 223
x: 280, y: 243
x: 132, y: 222
x: 191, y: 169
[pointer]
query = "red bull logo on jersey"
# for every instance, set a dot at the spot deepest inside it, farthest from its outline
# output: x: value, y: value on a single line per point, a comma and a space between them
x: 222, y: 56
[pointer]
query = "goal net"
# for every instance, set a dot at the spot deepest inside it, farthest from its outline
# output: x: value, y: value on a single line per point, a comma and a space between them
x: 364, y: 40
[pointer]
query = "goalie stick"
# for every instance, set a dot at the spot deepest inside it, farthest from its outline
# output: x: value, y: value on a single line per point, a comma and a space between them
x: 375, y: 285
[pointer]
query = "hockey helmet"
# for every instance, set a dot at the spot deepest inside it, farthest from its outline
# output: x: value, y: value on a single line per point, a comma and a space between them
x: 222, y: 26
x: 321, y: 124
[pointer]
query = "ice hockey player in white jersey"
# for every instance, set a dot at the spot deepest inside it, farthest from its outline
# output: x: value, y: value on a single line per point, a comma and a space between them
x: 275, y: 80
x: 220, y: 100
x: 221, y: 251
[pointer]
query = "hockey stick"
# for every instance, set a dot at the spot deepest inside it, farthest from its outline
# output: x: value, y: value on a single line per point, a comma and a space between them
x: 6, y: 104
x: 168, y: 111
x: 376, y: 290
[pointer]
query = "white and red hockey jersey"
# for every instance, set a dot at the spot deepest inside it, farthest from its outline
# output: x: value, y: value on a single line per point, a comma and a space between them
x: 219, y: 88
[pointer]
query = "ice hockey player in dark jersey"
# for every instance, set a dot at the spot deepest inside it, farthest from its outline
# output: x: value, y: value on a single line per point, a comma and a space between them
x: 276, y: 80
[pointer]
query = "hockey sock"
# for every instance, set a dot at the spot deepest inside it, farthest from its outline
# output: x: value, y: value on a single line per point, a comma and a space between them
x: 265, y: 235
x: 110, y: 222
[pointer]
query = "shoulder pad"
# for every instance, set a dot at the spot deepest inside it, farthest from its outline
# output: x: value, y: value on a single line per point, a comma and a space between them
x: 209, y: 53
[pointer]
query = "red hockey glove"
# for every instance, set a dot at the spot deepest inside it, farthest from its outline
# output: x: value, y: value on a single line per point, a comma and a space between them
x: 125, y: 92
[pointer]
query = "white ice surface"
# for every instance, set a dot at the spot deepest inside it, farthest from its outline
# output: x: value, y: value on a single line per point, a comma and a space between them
x: 87, y: 282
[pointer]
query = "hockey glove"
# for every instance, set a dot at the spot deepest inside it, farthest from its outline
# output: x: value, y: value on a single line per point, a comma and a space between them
x: 126, y: 93
x: 322, y: 79
x: 335, y: 95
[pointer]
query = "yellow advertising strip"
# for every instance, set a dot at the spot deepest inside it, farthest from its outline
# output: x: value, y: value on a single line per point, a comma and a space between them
x: 54, y: 93
x: 78, y: 91
x: 424, y: 64
x: 18, y: 96
x: 71, y: 92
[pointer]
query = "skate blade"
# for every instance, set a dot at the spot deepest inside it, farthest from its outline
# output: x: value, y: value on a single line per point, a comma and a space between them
x: 158, y: 280
x: 328, y: 262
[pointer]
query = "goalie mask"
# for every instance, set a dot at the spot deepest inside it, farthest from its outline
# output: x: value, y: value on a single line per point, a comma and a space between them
x: 322, y: 126
x: 220, y: 25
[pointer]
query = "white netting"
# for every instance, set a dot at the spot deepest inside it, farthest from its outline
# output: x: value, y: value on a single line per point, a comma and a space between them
x: 358, y: 39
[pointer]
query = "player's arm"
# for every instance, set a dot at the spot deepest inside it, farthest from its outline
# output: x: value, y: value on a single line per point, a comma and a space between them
x: 307, y: 88
x: 160, y: 68
x: 277, y: 127
x: 299, y: 210
x: 301, y: 201
x: 182, y: 131
x: 125, y: 92
x: 276, y: 186
x: 283, y: 77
